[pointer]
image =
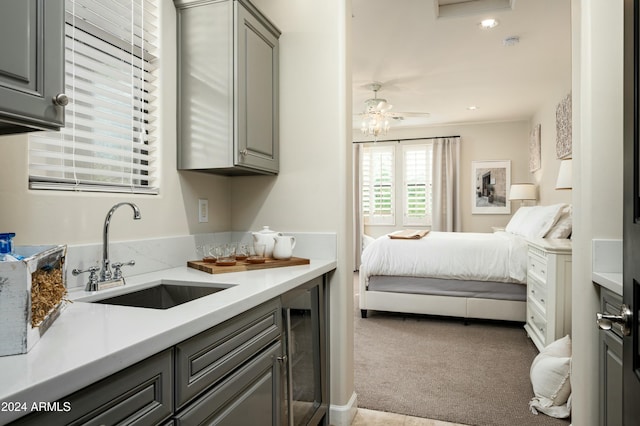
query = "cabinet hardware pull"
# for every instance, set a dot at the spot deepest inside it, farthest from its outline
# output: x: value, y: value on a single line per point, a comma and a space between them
x: 282, y: 359
x: 61, y: 99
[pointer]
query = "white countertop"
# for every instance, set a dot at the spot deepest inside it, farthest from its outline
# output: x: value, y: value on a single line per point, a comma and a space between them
x: 610, y: 280
x: 607, y: 264
x: 90, y: 341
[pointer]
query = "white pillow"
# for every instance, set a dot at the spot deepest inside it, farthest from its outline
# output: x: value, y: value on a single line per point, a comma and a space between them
x: 563, y: 227
x: 517, y: 220
x: 551, y: 379
x: 366, y: 240
x: 537, y: 221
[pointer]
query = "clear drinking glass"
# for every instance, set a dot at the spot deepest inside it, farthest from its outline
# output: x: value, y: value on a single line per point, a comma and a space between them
x: 242, y: 251
x: 226, y: 254
x: 208, y: 253
x: 259, y: 249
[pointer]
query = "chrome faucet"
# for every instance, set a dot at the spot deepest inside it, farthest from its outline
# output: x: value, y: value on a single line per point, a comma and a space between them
x: 107, y: 278
x: 105, y: 272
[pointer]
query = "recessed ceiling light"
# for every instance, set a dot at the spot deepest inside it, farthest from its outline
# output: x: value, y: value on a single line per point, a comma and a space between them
x: 486, y: 24
x: 472, y: 108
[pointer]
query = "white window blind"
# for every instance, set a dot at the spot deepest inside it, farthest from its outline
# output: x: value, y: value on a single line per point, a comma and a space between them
x: 416, y: 188
x: 109, y: 139
x: 378, y: 204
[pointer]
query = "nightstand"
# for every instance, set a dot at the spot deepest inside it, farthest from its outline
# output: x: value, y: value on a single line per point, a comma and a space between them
x: 548, y: 290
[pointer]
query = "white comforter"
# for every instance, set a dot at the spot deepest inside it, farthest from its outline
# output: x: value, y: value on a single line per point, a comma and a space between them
x: 498, y: 256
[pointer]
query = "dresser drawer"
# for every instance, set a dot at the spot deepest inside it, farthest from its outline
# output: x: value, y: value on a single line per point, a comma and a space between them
x: 537, y: 322
x: 537, y: 267
x: 538, y: 293
x: 208, y: 357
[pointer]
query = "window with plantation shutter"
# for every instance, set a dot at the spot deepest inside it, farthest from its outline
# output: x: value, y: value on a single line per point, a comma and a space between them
x: 109, y: 139
x: 378, y: 204
x: 416, y: 187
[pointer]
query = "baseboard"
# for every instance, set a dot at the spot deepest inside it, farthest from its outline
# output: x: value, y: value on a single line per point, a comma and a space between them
x: 342, y: 415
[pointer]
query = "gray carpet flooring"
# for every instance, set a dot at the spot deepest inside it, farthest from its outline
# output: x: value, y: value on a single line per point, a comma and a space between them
x: 439, y: 368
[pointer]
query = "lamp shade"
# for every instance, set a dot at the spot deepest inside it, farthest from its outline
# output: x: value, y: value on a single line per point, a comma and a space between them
x: 523, y: 191
x: 565, y: 175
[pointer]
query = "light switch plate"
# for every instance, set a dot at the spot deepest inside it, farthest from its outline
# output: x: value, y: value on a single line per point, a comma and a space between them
x: 203, y: 210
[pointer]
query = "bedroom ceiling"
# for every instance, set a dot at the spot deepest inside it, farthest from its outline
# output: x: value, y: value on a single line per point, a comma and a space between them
x: 444, y: 65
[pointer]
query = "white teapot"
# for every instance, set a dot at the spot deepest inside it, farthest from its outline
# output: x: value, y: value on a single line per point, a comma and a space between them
x: 283, y: 248
x: 266, y: 237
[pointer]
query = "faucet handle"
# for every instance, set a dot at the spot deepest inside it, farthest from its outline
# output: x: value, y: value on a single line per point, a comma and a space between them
x: 92, y: 284
x: 117, y: 268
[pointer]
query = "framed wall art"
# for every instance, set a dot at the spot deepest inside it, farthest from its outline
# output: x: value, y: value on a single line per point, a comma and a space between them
x: 490, y: 183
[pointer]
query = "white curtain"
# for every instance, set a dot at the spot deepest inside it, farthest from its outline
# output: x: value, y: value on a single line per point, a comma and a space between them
x: 446, y: 185
x: 358, y: 223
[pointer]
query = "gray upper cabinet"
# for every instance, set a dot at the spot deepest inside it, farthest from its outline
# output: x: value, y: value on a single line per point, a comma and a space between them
x: 227, y: 88
x: 31, y: 65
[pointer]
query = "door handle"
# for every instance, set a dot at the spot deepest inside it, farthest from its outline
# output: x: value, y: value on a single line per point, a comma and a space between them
x: 605, y: 321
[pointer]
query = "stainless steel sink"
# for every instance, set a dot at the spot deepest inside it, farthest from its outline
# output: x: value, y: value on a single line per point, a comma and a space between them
x: 163, y: 296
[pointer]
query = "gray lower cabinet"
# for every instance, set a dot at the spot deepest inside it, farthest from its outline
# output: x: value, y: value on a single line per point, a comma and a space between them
x: 249, y: 396
x: 138, y: 395
x: 31, y: 65
x: 227, y: 88
x: 224, y: 370
x: 610, y: 363
x: 267, y: 366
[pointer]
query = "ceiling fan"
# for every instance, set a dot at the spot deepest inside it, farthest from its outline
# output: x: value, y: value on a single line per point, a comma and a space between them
x: 376, y: 117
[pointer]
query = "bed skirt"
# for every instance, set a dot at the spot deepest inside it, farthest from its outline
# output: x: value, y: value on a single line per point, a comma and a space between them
x: 436, y: 296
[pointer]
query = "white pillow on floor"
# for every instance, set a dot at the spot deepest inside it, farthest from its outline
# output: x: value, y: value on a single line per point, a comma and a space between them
x: 551, y: 379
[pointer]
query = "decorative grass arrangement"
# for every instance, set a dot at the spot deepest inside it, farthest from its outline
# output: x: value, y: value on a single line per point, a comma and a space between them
x: 47, y: 291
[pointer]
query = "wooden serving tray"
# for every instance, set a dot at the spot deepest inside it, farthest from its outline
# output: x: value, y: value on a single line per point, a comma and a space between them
x: 242, y: 265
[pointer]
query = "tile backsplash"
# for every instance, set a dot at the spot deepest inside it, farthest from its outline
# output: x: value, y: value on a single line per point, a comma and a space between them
x: 169, y: 252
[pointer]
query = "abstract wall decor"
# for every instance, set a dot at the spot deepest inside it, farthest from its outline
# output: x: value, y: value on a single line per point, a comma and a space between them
x: 534, y: 149
x: 563, y: 128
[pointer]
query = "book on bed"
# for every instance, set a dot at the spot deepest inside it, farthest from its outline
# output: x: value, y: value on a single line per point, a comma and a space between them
x: 409, y: 234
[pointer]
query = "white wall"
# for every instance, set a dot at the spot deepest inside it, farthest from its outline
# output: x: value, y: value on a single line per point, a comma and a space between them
x: 56, y: 217
x: 597, y: 194
x: 312, y: 191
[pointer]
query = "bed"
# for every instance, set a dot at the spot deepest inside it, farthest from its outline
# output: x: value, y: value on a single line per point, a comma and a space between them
x: 460, y: 274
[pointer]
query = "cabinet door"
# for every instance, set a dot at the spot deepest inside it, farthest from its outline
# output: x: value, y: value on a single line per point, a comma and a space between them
x: 250, y: 396
x: 211, y: 355
x: 256, y: 80
x: 31, y: 64
x: 611, y: 376
x: 610, y: 362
